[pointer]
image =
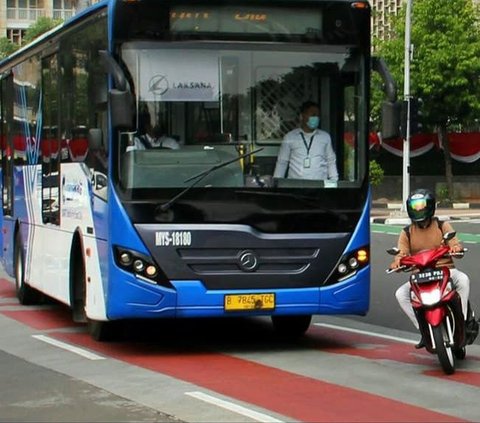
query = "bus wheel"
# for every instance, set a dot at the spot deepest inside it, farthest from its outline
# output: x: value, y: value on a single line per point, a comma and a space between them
x: 78, y: 285
x: 103, y: 331
x: 291, y: 326
x: 25, y: 293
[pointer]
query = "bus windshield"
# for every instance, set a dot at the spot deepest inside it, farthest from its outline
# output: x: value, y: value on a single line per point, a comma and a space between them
x: 208, y: 102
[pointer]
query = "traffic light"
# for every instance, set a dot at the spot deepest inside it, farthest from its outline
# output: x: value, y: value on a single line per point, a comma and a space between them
x: 415, y: 116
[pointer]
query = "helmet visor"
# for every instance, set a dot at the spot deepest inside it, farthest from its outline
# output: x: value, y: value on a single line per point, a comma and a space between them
x: 418, y: 208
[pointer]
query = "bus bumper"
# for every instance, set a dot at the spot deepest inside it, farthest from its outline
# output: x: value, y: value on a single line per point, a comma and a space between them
x: 190, y: 299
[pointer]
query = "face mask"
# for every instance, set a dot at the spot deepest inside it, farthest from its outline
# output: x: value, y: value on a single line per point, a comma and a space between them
x: 313, y: 122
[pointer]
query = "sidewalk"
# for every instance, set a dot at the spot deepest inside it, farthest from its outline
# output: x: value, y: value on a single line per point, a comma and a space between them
x: 390, y: 213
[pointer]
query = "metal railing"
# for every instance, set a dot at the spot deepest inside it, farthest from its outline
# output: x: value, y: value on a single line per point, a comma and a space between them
x: 24, y: 14
x: 62, y: 14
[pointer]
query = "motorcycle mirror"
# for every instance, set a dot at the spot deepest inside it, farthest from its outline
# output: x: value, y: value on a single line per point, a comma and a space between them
x: 393, y: 251
x: 449, y: 235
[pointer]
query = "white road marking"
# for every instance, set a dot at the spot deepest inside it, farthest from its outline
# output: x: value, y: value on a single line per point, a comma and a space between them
x: 68, y: 347
x: 254, y: 415
x: 364, y: 332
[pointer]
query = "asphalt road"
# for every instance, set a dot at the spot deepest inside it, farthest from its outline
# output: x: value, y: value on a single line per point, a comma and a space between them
x: 384, y: 310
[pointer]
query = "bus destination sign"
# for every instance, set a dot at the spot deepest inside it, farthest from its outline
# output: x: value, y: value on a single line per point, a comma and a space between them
x: 250, y: 20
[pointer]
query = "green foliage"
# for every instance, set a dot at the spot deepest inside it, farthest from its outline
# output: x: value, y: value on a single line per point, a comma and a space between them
x: 375, y: 173
x: 41, y: 26
x: 445, y: 66
x: 442, y: 193
x: 6, y: 47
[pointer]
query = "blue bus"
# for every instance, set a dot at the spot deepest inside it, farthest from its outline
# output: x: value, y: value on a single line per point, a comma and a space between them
x: 203, y: 229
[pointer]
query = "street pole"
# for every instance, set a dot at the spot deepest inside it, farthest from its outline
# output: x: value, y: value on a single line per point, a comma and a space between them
x: 406, y: 93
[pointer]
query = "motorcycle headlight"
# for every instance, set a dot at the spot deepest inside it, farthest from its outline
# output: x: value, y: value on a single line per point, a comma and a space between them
x: 431, y: 297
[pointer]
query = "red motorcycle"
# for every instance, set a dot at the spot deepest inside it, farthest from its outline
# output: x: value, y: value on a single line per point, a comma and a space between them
x: 437, y: 304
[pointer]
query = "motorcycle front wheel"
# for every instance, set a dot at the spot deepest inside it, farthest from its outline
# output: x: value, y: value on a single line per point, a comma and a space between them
x: 460, y: 353
x: 444, y: 351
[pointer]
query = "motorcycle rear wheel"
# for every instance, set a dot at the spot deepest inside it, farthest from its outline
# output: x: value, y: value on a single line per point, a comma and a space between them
x: 444, y: 351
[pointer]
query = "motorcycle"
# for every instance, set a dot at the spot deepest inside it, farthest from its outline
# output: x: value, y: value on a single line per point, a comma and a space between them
x: 437, y: 304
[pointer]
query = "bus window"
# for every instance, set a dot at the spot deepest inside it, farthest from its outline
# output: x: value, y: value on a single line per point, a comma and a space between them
x: 50, y: 143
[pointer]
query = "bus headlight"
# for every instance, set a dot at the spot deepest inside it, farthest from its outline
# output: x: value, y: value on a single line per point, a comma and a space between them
x: 141, y: 265
x: 349, y: 265
x: 126, y: 258
x: 353, y: 262
x: 151, y: 271
x: 138, y: 265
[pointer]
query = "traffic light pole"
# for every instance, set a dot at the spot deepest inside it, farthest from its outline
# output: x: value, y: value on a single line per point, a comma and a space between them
x: 406, y: 92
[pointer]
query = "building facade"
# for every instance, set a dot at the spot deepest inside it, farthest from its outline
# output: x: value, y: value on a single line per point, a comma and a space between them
x: 17, y: 15
x: 381, y: 11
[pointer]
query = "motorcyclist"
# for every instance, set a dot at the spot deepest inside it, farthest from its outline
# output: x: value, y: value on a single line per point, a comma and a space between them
x: 426, y: 232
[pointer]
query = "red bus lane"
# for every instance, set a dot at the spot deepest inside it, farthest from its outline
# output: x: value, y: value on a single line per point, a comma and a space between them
x: 293, y: 395
x: 296, y: 396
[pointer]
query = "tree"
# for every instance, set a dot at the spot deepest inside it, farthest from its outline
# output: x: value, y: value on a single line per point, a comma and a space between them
x: 445, y: 67
x: 41, y: 26
x: 375, y: 173
x: 6, y: 47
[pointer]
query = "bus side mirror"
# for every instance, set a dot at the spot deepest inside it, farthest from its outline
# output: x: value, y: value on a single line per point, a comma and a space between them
x: 121, y: 97
x: 121, y: 107
x: 391, y: 112
x: 391, y: 108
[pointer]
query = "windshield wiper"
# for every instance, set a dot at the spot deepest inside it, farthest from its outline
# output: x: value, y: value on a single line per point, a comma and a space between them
x: 202, y: 175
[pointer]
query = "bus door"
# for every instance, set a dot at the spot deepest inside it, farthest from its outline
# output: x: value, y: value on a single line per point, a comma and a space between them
x: 6, y: 137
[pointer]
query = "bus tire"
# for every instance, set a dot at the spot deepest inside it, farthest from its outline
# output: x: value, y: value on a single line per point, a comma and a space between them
x: 102, y: 331
x: 291, y: 326
x: 25, y: 293
x: 98, y: 330
x: 78, y: 287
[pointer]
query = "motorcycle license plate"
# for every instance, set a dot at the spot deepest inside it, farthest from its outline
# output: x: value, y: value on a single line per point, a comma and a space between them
x: 427, y: 276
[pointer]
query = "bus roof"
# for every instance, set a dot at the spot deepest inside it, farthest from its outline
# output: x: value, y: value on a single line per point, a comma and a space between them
x: 12, y: 58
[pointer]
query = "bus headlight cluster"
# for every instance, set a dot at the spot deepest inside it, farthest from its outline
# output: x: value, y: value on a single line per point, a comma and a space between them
x: 350, y: 263
x: 125, y: 258
x: 137, y: 263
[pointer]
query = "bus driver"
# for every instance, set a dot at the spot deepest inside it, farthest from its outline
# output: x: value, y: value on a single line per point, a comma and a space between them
x: 306, y: 152
x: 152, y: 137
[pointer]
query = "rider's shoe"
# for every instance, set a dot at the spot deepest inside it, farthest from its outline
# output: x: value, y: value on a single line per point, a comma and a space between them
x: 421, y: 344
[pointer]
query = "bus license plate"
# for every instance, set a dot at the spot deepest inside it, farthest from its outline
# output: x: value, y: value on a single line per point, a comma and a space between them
x: 249, y: 302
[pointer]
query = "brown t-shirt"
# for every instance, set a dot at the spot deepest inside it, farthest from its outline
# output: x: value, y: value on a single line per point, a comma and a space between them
x: 426, y: 239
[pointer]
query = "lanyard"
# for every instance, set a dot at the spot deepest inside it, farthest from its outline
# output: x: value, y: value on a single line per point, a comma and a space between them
x: 305, y: 142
